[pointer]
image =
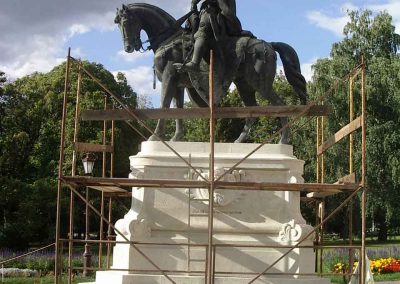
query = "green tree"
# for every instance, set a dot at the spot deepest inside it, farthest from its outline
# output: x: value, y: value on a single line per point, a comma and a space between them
x: 375, y: 40
x: 3, y: 80
x: 228, y: 130
x: 29, y: 146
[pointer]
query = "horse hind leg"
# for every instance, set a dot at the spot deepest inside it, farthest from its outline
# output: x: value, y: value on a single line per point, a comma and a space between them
x: 285, y: 131
x: 274, y: 99
x: 247, y: 94
x: 179, y: 129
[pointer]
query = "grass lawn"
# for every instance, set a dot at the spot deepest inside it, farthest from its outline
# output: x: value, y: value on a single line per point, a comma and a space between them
x: 42, y: 280
x: 50, y: 279
x: 377, y: 278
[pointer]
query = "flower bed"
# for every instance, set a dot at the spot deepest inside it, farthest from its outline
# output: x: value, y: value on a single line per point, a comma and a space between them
x: 378, y: 266
x: 43, y: 261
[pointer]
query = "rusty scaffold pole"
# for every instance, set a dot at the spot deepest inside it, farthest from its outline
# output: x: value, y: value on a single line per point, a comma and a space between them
x: 103, y: 174
x: 363, y: 170
x: 210, y: 255
x: 351, y: 169
x: 57, y: 264
x: 73, y: 173
x: 109, y: 230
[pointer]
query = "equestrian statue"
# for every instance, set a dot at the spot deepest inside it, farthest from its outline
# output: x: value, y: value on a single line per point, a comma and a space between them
x: 181, y: 57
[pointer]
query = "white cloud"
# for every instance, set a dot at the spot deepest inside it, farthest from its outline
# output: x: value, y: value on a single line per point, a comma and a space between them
x: 332, y: 24
x: 134, y: 56
x: 348, y: 7
x: 141, y: 81
x: 393, y: 8
x: 37, y: 60
x: 306, y: 69
x: 33, y: 33
x: 78, y: 29
x: 336, y: 24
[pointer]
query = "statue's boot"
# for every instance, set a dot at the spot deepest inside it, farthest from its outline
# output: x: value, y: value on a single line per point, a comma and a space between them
x: 198, y: 52
x: 188, y: 67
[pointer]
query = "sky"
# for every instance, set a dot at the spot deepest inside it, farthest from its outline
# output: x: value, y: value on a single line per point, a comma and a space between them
x: 35, y: 34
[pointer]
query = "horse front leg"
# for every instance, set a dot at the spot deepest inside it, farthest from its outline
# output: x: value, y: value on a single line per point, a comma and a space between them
x: 167, y: 93
x: 159, y: 132
x: 246, y: 130
x: 179, y: 130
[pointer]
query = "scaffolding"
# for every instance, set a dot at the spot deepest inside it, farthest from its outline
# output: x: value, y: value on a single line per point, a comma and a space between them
x: 111, y: 187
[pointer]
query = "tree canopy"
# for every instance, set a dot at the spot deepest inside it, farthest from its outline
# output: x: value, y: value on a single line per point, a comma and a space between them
x: 372, y: 38
x: 31, y: 110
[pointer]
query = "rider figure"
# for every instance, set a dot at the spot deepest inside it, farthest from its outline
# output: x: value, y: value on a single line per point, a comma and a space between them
x: 215, y: 15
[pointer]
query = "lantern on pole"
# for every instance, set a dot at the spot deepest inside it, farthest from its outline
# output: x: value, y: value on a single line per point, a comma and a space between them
x: 88, y: 163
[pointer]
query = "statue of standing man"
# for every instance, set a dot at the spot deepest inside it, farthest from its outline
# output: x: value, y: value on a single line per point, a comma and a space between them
x: 217, y: 19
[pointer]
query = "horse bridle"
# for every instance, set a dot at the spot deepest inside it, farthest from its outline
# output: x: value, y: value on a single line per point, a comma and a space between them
x: 128, y: 18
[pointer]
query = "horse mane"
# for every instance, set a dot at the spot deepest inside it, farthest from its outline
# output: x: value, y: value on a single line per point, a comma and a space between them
x: 171, y: 20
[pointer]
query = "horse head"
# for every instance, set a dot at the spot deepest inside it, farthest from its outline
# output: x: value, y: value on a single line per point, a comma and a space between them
x: 130, y: 27
x: 134, y: 18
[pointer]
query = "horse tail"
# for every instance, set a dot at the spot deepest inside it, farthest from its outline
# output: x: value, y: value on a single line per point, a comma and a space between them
x: 291, y: 66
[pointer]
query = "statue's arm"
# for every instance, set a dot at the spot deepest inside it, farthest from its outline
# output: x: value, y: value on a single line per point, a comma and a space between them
x: 194, y: 4
x: 228, y: 7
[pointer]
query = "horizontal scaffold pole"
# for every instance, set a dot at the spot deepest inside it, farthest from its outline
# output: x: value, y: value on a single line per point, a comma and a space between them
x: 126, y: 182
x: 226, y: 112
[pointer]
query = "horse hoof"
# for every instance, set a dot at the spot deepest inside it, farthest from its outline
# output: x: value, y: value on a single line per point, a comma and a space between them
x: 153, y: 138
x: 176, y: 138
x: 284, y: 141
x: 242, y: 138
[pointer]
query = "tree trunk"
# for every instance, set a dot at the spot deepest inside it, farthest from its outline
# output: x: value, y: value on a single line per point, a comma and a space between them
x: 383, y: 232
x: 380, y: 219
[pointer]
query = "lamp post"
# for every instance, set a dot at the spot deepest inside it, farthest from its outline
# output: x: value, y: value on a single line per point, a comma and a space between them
x: 88, y: 165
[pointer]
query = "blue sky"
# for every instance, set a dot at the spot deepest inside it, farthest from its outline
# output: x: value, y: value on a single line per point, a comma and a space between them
x: 36, y: 34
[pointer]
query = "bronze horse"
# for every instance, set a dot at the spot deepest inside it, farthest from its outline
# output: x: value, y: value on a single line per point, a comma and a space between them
x: 249, y: 63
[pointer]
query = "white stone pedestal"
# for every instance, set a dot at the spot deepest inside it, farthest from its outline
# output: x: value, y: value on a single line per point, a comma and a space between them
x: 242, y: 218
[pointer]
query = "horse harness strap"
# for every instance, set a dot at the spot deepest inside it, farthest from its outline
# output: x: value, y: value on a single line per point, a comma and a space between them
x: 177, y: 39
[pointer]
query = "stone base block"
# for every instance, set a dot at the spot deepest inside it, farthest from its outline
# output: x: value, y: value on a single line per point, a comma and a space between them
x: 107, y: 277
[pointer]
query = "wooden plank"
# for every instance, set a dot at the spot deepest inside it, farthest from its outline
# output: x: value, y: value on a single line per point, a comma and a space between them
x: 227, y: 112
x: 307, y: 199
x: 118, y: 194
x: 349, y: 179
x: 94, y: 181
x: 342, y: 133
x: 92, y: 148
x: 108, y: 189
x: 306, y: 187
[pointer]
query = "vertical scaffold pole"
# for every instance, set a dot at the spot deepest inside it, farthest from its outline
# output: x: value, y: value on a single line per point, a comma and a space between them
x: 210, y: 256
x: 321, y: 205
x: 318, y: 158
x: 109, y: 231
x: 351, y: 170
x: 60, y: 171
x: 363, y: 171
x: 318, y: 144
x: 103, y: 174
x: 322, y: 177
x: 73, y: 173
